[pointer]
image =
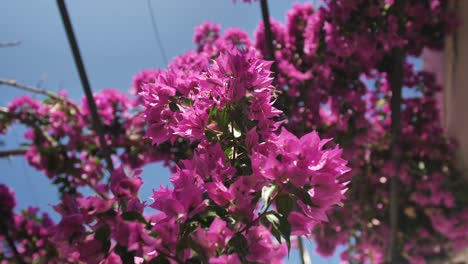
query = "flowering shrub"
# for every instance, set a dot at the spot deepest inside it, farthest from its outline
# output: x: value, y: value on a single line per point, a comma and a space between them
x: 333, y: 70
x: 228, y: 198
x: 249, y: 169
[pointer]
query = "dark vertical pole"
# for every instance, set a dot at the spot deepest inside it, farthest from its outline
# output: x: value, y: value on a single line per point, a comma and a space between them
x: 268, y: 34
x: 304, y: 255
x: 97, y: 123
x: 271, y: 56
x: 395, y: 78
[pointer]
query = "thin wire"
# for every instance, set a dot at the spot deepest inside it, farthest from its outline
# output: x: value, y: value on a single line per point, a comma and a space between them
x: 32, y: 194
x: 154, y: 25
x: 268, y: 33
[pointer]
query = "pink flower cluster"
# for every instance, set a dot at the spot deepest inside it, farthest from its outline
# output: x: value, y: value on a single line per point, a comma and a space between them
x: 224, y: 204
x: 64, y: 145
x: 226, y: 109
x: 296, y: 164
x: 181, y: 110
x: 28, y: 230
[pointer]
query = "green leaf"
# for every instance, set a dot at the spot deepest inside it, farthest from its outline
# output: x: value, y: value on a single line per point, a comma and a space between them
x: 284, y: 204
x: 280, y: 226
x: 210, y: 212
x: 240, y: 245
x: 276, y: 233
x: 189, y: 228
x: 218, y: 211
x: 267, y: 193
x: 102, y: 235
x: 48, y: 101
x: 174, y: 107
x: 109, y: 213
x: 285, y: 229
x: 229, y: 152
x: 159, y: 260
x: 132, y: 216
x: 273, y: 219
x: 188, y: 101
x: 125, y: 255
x: 301, y: 193
x: 221, y: 117
x: 213, y: 111
x: 194, y: 260
x: 211, y: 135
x: 235, y: 130
x: 257, y: 197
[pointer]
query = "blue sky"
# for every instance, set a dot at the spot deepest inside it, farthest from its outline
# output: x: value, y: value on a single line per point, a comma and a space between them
x: 116, y: 41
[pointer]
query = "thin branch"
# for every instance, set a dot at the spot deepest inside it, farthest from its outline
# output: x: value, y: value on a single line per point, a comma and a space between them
x: 97, y: 122
x: 36, y: 90
x: 32, y: 124
x: 12, y: 152
x: 265, y: 211
x: 31, y: 89
x: 271, y: 56
x: 94, y: 188
x: 396, y: 83
x: 9, y: 44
